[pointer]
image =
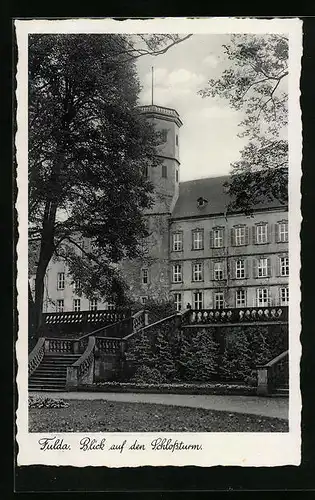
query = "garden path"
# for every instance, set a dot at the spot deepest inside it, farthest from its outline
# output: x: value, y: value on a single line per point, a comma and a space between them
x: 268, y: 407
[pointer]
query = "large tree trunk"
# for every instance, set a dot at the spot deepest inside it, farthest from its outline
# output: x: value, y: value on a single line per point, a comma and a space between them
x: 46, y: 253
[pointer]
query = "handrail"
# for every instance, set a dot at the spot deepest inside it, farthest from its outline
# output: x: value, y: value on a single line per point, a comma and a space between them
x: 272, y: 374
x: 36, y: 355
x: 147, y: 327
x: 138, y: 313
x: 275, y: 360
x: 87, y: 352
x: 96, y: 331
x: 82, y: 366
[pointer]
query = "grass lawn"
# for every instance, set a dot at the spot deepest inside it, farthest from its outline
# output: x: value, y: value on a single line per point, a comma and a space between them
x: 107, y: 416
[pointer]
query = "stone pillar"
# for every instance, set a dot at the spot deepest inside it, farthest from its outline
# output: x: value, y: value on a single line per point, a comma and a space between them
x: 72, y: 377
x: 76, y: 347
x: 262, y: 383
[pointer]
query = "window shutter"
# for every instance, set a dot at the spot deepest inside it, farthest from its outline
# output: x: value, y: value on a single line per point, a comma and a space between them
x: 276, y: 231
x: 211, y: 239
x: 269, y: 233
x: 233, y: 269
x: 246, y: 269
x: 254, y: 234
x: 223, y: 237
x: 246, y: 235
x: 269, y: 266
x: 224, y: 269
x: 211, y: 267
x: 277, y: 265
x: 232, y: 237
x: 254, y: 268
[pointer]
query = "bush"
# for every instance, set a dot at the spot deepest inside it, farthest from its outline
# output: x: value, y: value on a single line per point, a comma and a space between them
x: 147, y: 375
x: 45, y: 402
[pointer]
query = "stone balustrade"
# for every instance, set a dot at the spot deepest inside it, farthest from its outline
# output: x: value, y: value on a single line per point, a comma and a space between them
x: 56, y: 345
x: 108, y: 345
x: 36, y: 355
x: 236, y: 315
x: 107, y: 317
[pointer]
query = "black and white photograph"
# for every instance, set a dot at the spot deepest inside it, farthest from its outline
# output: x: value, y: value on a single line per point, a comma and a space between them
x: 158, y: 258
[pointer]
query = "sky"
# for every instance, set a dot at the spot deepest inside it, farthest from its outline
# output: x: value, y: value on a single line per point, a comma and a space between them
x: 208, y: 137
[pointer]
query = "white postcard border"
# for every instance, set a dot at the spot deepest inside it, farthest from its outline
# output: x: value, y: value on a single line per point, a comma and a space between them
x: 243, y: 449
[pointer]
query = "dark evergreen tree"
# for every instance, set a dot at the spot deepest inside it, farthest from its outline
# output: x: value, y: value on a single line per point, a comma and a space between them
x: 236, y: 359
x: 165, y: 360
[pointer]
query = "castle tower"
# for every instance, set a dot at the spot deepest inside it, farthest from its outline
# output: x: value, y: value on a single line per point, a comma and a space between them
x: 149, y: 277
x: 166, y: 176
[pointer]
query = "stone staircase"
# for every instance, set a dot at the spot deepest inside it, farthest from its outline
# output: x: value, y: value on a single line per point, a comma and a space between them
x: 51, y: 374
x: 282, y: 391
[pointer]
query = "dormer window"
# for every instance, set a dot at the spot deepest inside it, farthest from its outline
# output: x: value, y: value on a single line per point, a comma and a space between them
x: 201, y: 202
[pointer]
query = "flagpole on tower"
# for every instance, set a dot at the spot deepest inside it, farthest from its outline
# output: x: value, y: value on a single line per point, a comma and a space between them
x: 152, y: 86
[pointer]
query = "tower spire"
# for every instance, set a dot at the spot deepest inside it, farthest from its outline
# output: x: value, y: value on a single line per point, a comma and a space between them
x: 152, y: 86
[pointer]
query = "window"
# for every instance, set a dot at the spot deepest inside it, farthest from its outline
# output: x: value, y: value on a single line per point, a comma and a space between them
x: 164, y: 171
x: 240, y: 269
x: 76, y: 285
x: 262, y: 233
x: 218, y: 300
x: 93, y: 305
x: 144, y: 299
x: 146, y: 172
x: 145, y: 276
x: 177, y: 242
x: 198, y: 300
x: 240, y: 298
x: 284, y: 266
x: 110, y: 306
x: 177, y: 273
x: 197, y: 240
x: 262, y: 268
x: 263, y: 299
x: 176, y: 175
x: 282, y: 231
x: 60, y: 281
x: 164, y: 132
x: 217, y: 238
x: 60, y: 305
x: 176, y: 139
x: 218, y: 271
x: 76, y: 304
x: 240, y: 236
x: 284, y: 296
x: 197, y: 271
x: 178, y: 301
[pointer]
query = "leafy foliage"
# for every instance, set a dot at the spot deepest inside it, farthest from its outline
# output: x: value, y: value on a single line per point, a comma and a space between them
x: 157, y: 308
x: 45, y: 402
x: 88, y: 146
x: 256, y: 84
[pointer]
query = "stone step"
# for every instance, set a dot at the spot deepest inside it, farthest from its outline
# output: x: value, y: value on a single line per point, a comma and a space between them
x: 46, y: 378
x: 61, y: 358
x: 58, y: 363
x: 44, y: 389
x: 281, y: 392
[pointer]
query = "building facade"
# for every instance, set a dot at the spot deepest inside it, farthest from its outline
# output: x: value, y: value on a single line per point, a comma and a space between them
x: 197, y: 252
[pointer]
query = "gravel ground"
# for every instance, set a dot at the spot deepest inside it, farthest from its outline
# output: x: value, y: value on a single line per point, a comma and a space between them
x: 107, y: 416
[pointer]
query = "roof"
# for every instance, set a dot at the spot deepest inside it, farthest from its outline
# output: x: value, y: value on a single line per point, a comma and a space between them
x: 212, y: 190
